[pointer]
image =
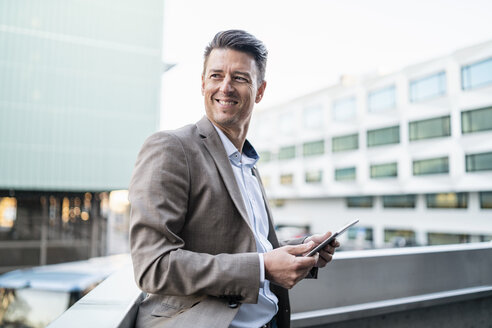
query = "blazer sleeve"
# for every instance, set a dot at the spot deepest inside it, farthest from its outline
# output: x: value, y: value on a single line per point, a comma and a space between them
x: 159, y: 195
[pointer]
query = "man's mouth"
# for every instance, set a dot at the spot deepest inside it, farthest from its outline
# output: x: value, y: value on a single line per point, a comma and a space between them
x: 226, y: 102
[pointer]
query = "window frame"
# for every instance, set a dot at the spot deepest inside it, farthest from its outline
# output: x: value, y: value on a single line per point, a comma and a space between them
x: 468, y: 120
x: 413, y: 125
x: 470, y: 161
x: 466, y: 83
x: 350, y: 168
x: 374, y: 132
x: 414, y: 162
x: 307, y: 150
x: 375, y: 166
x: 414, y: 84
x: 282, y: 156
x: 373, y: 93
x: 337, y: 149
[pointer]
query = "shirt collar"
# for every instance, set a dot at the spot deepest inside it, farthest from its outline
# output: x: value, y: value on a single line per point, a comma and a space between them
x: 249, y: 156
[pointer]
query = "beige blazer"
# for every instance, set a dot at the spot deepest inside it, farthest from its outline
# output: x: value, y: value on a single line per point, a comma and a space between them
x: 192, y: 246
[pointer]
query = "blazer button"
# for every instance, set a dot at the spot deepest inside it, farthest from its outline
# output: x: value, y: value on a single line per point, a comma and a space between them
x: 233, y: 304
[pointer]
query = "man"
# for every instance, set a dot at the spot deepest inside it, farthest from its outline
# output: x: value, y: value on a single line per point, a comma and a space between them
x: 202, y: 239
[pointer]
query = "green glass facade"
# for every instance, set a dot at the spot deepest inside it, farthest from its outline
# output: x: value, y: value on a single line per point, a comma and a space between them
x: 79, y: 91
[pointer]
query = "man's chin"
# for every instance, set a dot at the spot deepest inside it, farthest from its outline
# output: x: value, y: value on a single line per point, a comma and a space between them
x: 224, y: 120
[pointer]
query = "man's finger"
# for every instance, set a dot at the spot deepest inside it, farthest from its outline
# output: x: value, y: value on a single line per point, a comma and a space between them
x: 301, y: 249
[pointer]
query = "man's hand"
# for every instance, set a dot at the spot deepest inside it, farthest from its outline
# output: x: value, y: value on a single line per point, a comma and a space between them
x: 285, y: 266
x: 326, y: 254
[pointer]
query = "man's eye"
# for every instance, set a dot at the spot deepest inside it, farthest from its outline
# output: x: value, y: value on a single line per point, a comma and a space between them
x: 240, y: 79
x: 214, y: 76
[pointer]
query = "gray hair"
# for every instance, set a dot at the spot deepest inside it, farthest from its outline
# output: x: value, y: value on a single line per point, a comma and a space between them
x: 241, y: 41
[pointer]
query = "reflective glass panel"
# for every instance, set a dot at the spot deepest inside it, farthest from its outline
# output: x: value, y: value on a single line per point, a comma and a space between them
x: 342, y: 143
x: 476, y: 120
x: 345, y: 174
x: 382, y: 99
x: 287, y: 152
x: 344, y: 109
x: 388, y: 170
x: 479, y: 162
x: 486, y: 199
x: 385, y: 136
x: 360, y: 201
x: 314, y: 176
x: 477, y: 74
x: 447, y: 200
x: 430, y: 128
x: 265, y: 156
x: 313, y: 117
x: 313, y: 148
x: 399, y: 201
x: 428, y: 87
x: 431, y: 166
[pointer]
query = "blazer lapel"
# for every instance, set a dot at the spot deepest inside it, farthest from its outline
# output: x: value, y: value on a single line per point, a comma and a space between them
x: 213, y: 144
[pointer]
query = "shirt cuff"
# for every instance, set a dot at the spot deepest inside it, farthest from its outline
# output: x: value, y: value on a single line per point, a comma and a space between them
x: 262, y: 270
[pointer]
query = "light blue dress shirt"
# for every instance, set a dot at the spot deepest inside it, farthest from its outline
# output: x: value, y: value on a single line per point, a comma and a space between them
x: 252, y: 315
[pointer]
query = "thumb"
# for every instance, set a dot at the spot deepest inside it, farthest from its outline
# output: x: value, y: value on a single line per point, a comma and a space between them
x: 302, y: 248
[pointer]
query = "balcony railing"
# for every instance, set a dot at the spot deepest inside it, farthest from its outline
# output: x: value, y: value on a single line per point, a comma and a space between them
x: 450, y: 285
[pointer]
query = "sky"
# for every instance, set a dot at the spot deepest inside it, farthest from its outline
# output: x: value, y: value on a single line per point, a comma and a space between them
x: 312, y: 43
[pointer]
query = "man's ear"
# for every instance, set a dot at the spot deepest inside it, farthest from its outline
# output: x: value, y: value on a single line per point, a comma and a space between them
x: 261, y: 91
x: 203, y: 85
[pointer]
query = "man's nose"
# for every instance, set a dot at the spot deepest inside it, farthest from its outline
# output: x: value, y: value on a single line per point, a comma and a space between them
x: 226, y: 85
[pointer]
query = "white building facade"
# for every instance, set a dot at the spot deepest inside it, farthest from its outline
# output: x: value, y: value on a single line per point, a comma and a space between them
x: 408, y: 153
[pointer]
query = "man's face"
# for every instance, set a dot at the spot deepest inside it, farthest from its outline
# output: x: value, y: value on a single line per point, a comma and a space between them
x: 230, y: 88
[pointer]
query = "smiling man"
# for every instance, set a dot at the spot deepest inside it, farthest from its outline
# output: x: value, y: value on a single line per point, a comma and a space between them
x: 202, y: 239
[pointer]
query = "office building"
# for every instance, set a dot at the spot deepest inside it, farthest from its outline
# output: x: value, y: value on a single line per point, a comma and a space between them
x: 408, y: 153
x: 79, y: 93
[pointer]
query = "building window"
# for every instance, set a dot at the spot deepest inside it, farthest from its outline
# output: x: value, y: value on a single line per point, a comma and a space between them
x: 399, y: 201
x: 313, y: 148
x: 344, y: 109
x: 477, y: 74
x: 486, y: 199
x: 265, y: 156
x: 360, y: 201
x: 431, y: 128
x: 313, y: 117
x: 314, y: 176
x: 434, y: 238
x: 343, y: 143
x: 287, y: 152
x: 388, y: 170
x: 479, y: 162
x: 382, y: 99
x: 345, y: 174
x: 399, y: 238
x: 287, y: 179
x: 476, y: 120
x: 360, y: 234
x: 8, y: 213
x: 428, y: 87
x: 431, y: 166
x: 383, y: 136
x: 447, y: 200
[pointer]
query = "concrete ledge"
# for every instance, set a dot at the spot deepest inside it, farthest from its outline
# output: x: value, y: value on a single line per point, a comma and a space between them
x: 112, y: 304
x: 371, y: 309
x: 408, y: 287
